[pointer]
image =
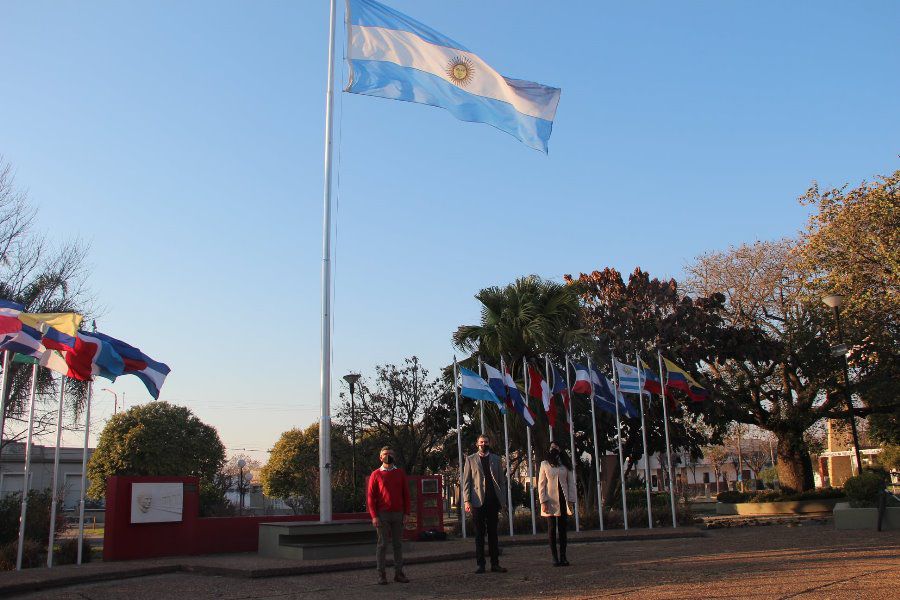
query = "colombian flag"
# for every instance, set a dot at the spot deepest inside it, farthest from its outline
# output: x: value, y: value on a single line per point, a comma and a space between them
x: 680, y: 379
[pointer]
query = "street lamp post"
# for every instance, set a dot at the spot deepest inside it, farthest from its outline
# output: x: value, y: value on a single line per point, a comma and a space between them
x: 351, y: 379
x: 835, y: 301
x: 116, y: 401
x: 248, y: 478
x: 241, y: 464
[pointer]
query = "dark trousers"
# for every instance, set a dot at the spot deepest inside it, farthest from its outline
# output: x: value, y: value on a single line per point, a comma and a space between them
x: 391, y: 525
x: 558, y: 524
x: 485, y: 518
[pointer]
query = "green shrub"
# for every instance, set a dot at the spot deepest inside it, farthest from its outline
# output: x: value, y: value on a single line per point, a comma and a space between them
x: 67, y: 552
x: 863, y: 489
x: 774, y: 496
x: 769, y: 476
x: 733, y: 497
x: 37, y: 521
x: 770, y: 496
x: 638, y: 497
x: 32, y: 555
x: 827, y: 493
x: 889, y: 457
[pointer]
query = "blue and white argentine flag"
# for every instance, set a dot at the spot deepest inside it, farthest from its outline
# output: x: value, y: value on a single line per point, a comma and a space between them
x: 474, y: 387
x: 394, y: 56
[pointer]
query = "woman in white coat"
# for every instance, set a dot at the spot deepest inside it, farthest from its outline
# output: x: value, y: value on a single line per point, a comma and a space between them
x: 556, y: 488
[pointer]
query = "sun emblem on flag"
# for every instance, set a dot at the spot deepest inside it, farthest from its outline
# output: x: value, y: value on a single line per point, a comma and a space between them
x: 460, y: 70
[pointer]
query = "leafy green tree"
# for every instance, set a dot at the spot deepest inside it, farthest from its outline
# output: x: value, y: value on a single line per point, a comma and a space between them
x: 780, y: 379
x: 852, y: 247
x: 889, y: 457
x: 405, y: 408
x: 157, y: 438
x: 292, y: 472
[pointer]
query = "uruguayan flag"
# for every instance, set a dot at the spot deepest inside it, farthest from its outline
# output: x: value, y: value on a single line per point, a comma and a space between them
x: 394, y: 56
x: 629, y: 378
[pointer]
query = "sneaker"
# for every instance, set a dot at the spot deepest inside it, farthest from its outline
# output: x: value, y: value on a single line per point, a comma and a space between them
x: 498, y: 569
x: 400, y: 578
x: 563, y: 563
x: 479, y: 570
x: 382, y: 578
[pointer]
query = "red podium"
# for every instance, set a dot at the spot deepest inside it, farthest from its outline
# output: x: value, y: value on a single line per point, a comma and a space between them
x: 425, y: 505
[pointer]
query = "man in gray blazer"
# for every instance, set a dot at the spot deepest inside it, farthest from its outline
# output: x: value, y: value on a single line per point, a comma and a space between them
x: 484, y: 492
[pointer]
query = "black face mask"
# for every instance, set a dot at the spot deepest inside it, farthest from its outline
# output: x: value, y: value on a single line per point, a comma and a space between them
x: 389, y: 459
x: 554, y: 455
x: 486, y: 448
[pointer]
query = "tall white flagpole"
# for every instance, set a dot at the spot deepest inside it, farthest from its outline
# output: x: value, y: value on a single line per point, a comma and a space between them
x: 572, y: 445
x: 619, y: 436
x: 596, y: 451
x: 25, y: 484
x: 637, y: 360
x: 480, y: 402
x: 547, y: 375
x: 54, y: 491
x: 662, y: 385
x: 84, y: 461
x: 528, y: 438
x: 509, y: 506
x: 462, y: 510
x: 4, y: 379
x: 325, y: 379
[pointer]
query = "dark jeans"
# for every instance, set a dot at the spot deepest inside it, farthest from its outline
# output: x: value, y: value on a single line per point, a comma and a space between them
x: 561, y: 524
x: 485, y: 518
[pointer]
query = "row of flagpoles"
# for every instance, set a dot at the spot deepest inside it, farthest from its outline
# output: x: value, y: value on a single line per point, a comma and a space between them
x: 500, y: 388
x: 54, y: 341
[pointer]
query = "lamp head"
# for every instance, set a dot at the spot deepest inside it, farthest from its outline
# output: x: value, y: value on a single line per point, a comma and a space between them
x: 242, y: 463
x: 352, y: 378
x: 833, y: 301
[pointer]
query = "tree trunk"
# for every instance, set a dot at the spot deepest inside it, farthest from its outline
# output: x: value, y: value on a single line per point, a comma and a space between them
x: 794, y: 464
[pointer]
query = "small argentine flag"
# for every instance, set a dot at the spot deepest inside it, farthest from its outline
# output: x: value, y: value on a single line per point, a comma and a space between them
x: 394, y: 56
x: 476, y: 388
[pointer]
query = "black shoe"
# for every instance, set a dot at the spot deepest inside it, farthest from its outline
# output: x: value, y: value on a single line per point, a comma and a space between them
x: 382, y: 578
x: 563, y: 563
x: 479, y: 570
x: 498, y: 569
x: 399, y: 577
x: 556, y: 563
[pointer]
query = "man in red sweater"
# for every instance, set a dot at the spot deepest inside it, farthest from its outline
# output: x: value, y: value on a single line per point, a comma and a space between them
x: 388, y: 502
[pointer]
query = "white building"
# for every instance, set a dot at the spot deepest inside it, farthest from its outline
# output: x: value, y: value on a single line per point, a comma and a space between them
x: 12, y: 471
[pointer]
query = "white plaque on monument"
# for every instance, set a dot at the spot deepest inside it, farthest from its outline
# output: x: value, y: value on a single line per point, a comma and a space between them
x: 156, y: 502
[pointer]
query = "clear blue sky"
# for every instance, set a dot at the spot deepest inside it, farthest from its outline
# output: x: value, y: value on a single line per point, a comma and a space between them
x: 183, y: 141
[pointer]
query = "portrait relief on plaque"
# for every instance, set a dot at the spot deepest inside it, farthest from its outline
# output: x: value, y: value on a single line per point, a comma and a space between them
x: 156, y: 502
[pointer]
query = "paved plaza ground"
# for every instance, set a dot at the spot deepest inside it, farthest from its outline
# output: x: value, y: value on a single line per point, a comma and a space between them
x: 808, y: 561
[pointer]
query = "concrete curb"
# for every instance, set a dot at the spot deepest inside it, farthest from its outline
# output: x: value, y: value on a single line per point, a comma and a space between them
x: 32, y: 580
x: 29, y: 585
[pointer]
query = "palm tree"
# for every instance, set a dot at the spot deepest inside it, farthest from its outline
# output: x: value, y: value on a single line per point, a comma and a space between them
x: 520, y: 321
x: 527, y: 318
